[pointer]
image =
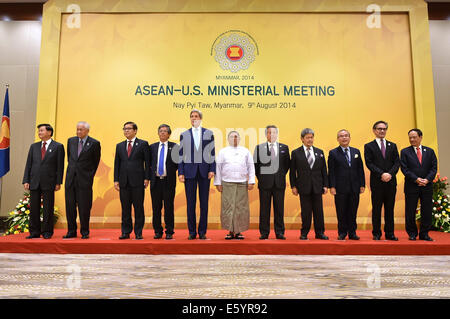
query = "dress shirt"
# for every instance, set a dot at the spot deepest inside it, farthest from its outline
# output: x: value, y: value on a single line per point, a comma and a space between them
x: 234, y: 165
x: 166, y: 145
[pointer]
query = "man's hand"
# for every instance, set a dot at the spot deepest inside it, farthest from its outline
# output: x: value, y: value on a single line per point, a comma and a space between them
x: 333, y: 191
x: 361, y: 190
x: 386, y: 177
x: 181, y: 178
x: 295, y: 191
x: 325, y: 190
x: 422, y: 181
x: 210, y: 175
x: 26, y: 186
x: 116, y: 186
x: 57, y: 187
x: 219, y: 188
x: 250, y: 186
x: 146, y: 182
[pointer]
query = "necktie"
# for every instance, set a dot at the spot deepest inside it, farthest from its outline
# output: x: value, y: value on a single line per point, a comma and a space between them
x: 196, y: 138
x: 129, y: 148
x: 43, y: 150
x: 161, y: 161
x: 419, y: 155
x: 383, y: 148
x: 80, y: 147
x: 272, y: 152
x: 347, y: 156
x: 309, y: 157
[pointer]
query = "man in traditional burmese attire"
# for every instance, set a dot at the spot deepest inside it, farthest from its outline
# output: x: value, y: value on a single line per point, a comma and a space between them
x: 235, y: 176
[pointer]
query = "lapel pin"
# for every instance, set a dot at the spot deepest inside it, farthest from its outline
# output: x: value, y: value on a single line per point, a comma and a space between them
x: 356, y: 155
x: 389, y: 144
x: 50, y: 151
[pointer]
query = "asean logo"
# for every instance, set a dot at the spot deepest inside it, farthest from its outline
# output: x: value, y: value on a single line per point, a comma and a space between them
x: 234, y: 50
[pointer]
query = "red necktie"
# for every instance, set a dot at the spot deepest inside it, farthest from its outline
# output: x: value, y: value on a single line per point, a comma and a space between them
x: 129, y: 148
x: 43, y: 151
x: 419, y: 155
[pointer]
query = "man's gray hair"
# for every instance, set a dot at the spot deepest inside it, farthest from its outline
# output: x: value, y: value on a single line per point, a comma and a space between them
x: 198, y: 112
x: 306, y: 131
x: 85, y: 124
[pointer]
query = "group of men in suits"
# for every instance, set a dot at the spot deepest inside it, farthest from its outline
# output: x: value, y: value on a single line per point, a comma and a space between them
x: 138, y: 165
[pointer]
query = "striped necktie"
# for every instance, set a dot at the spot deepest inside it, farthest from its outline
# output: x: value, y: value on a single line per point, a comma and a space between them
x: 309, y: 158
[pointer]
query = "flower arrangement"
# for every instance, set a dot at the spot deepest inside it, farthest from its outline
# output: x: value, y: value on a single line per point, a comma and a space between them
x: 441, y: 208
x: 19, y: 219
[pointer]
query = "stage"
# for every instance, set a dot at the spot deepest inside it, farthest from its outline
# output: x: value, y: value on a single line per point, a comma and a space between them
x: 105, y: 241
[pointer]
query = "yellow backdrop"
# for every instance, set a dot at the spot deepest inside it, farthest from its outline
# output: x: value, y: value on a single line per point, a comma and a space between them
x: 104, y: 62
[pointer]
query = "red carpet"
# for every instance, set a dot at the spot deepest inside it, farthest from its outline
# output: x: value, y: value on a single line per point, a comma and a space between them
x: 105, y: 241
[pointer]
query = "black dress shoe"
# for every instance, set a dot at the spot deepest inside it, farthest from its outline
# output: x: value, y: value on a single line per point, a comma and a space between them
x: 426, y: 238
x: 377, y: 237
x: 157, y: 236
x: 47, y: 236
x: 125, y: 236
x: 353, y: 237
x: 304, y: 237
x: 281, y: 236
x: 139, y: 237
x: 169, y: 236
x: 322, y: 236
x: 229, y: 236
x: 85, y: 237
x: 69, y: 235
x: 262, y: 237
x: 191, y: 237
x: 392, y: 237
x: 412, y: 238
x: 342, y: 237
x: 238, y: 236
x: 33, y: 236
x: 202, y: 237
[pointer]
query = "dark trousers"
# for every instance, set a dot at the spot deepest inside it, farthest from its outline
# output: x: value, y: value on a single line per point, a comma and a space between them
x: 346, y: 210
x: 82, y: 198
x: 191, y: 185
x: 48, y: 197
x: 312, y: 206
x: 132, y: 196
x: 426, y: 206
x: 384, y: 195
x: 163, y: 195
x: 265, y: 203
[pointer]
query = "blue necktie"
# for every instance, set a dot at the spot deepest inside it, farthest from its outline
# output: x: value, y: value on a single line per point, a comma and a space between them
x: 161, y: 161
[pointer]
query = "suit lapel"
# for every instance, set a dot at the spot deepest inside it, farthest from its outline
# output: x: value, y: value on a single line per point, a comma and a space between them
x: 74, y: 148
x: 135, y: 145
x: 49, y: 151
x: 86, y: 146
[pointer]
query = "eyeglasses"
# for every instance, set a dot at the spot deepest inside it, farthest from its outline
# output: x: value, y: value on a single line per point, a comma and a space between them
x: 381, y: 128
x: 127, y: 128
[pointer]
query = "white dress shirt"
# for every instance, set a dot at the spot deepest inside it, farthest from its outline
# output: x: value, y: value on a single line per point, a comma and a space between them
x: 132, y: 142
x: 234, y: 165
x: 47, y: 143
x: 311, y: 152
x: 197, y: 135
x: 379, y: 142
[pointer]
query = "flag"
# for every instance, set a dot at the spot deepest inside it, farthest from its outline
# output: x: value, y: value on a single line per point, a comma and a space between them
x: 4, y: 138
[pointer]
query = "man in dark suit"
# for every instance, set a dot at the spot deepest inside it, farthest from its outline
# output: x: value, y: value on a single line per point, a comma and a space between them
x: 83, y: 154
x: 308, y: 177
x: 271, y: 166
x: 346, y: 181
x: 383, y: 161
x: 43, y: 176
x: 196, y: 168
x: 419, y: 165
x: 131, y: 177
x: 163, y: 180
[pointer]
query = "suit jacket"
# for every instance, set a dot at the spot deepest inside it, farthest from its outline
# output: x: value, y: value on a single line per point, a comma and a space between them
x: 134, y: 170
x: 346, y: 179
x: 271, y: 176
x: 412, y: 169
x: 307, y: 180
x: 84, y: 166
x: 171, y: 164
x: 192, y: 160
x: 44, y: 173
x: 378, y: 165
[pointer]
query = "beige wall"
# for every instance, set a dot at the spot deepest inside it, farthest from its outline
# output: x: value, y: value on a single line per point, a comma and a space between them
x: 20, y: 43
x: 440, y: 53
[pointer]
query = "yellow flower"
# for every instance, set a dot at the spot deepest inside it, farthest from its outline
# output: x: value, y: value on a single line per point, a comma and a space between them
x: 12, y: 213
x: 26, y: 230
x: 27, y: 212
x: 16, y: 232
